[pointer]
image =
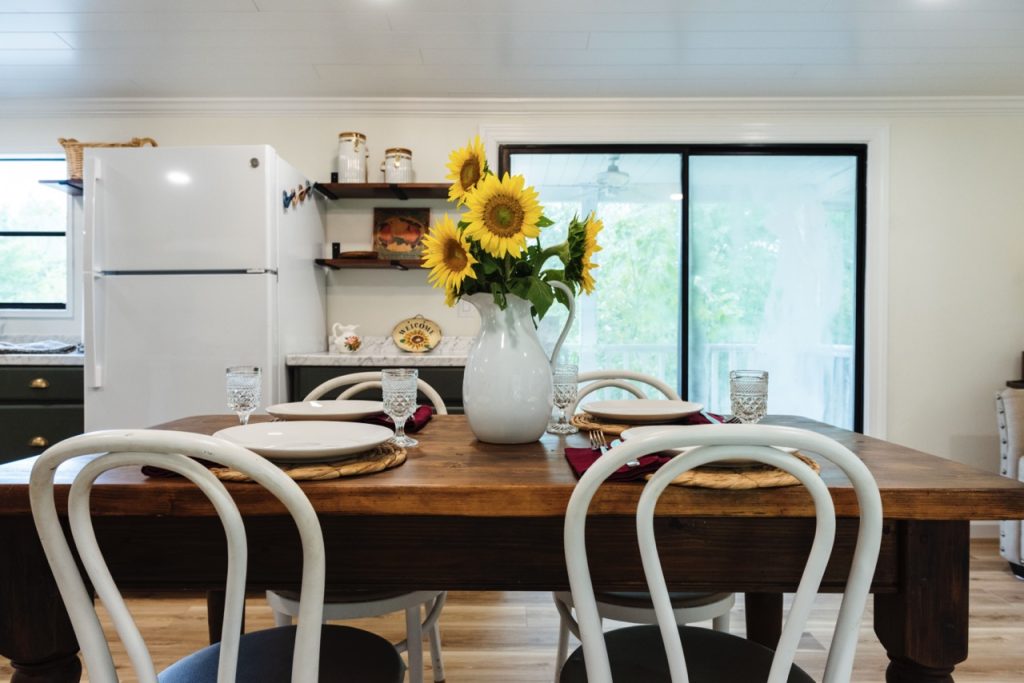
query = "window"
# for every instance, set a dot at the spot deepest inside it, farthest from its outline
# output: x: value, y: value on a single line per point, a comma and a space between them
x: 33, y: 235
x: 718, y: 258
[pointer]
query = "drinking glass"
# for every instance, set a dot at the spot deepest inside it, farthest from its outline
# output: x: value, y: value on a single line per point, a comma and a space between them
x: 399, y: 387
x: 564, y: 385
x: 243, y: 385
x: 748, y: 390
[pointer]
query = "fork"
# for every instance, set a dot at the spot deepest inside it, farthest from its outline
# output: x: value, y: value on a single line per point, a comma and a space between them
x: 599, y: 442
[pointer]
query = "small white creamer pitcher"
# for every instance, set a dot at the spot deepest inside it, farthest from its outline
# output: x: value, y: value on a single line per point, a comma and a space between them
x: 345, y: 339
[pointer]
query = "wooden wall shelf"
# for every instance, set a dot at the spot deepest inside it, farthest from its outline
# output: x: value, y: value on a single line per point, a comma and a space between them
x: 72, y: 186
x: 369, y: 263
x: 383, y: 190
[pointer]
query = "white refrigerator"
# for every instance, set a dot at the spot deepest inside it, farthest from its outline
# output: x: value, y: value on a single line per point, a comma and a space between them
x: 193, y: 263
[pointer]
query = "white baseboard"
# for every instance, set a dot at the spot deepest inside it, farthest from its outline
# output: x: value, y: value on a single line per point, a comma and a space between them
x: 985, y: 529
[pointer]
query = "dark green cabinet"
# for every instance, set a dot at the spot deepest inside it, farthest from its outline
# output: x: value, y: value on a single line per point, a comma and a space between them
x: 39, y: 406
x: 447, y: 380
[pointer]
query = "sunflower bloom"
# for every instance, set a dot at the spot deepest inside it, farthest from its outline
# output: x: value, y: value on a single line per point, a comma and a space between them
x: 580, y: 248
x: 466, y: 167
x: 502, y: 215
x: 446, y: 254
x: 590, y: 247
x: 450, y: 295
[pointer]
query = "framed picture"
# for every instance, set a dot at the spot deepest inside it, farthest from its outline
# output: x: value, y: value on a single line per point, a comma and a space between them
x: 398, y: 232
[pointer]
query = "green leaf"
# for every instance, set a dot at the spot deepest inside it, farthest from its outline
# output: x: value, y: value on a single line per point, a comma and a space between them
x: 499, y: 296
x: 520, y: 287
x: 540, y: 295
x: 544, y: 222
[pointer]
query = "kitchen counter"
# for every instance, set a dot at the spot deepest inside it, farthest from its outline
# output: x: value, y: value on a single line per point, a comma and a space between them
x: 382, y: 352
x: 42, y: 359
x: 73, y: 359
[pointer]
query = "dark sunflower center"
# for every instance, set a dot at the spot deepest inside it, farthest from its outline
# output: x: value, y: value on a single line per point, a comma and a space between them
x: 470, y: 173
x: 503, y: 216
x: 455, y: 256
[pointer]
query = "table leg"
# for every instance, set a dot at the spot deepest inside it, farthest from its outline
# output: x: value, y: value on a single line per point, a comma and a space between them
x: 924, y: 627
x: 35, y: 632
x: 764, y: 618
x: 215, y: 599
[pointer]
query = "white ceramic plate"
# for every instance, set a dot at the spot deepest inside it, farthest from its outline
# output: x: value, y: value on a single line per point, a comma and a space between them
x: 326, y: 410
x: 642, y: 410
x: 637, y: 432
x: 306, y: 441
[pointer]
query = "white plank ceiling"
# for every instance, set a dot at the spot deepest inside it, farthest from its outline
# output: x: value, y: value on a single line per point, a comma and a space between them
x: 510, y: 48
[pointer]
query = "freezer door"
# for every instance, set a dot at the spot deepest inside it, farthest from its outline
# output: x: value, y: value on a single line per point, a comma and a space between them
x: 161, y: 344
x: 179, y: 208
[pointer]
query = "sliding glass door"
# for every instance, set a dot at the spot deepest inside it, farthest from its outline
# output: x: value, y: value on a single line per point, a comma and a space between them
x: 717, y: 258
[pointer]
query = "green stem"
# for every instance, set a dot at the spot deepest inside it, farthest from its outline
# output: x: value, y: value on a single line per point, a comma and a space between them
x: 559, y: 250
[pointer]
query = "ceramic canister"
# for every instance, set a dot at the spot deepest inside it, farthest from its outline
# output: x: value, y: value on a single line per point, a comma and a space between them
x: 352, y: 155
x: 397, y: 165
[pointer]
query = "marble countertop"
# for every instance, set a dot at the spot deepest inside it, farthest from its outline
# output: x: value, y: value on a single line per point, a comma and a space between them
x: 40, y: 358
x: 382, y: 352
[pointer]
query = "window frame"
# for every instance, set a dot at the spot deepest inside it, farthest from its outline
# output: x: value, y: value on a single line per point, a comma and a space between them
x: 17, y: 309
x: 686, y: 151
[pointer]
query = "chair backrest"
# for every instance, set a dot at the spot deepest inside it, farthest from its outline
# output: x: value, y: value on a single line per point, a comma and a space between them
x: 362, y: 381
x: 1010, y: 418
x: 717, y: 442
x: 593, y: 380
x: 168, y: 450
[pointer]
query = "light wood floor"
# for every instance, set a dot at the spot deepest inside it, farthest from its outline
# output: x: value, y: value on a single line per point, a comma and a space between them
x: 506, y: 637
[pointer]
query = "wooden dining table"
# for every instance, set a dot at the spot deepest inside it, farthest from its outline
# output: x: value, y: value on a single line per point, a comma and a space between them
x: 466, y: 515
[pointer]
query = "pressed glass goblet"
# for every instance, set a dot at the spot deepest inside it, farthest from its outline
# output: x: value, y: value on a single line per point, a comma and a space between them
x: 243, y: 387
x: 748, y: 391
x: 564, y: 387
x: 399, y: 389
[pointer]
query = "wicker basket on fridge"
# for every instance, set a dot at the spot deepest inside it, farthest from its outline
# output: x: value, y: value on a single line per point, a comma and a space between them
x: 75, y: 150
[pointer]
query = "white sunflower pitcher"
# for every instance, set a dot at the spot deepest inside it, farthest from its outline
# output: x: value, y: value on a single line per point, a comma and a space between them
x: 507, y: 386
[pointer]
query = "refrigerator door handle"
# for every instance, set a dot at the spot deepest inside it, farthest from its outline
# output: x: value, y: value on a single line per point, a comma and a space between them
x: 93, y: 345
x: 92, y: 196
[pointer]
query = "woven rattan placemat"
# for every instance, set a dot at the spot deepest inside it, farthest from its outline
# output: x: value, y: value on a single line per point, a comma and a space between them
x: 739, y: 478
x: 383, y: 457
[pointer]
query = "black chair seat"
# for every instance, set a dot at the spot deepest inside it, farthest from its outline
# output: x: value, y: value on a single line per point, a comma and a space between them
x: 643, y: 600
x: 346, y: 654
x: 637, y: 655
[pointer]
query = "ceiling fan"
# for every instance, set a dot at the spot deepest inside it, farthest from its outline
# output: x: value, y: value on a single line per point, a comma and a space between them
x: 612, y: 178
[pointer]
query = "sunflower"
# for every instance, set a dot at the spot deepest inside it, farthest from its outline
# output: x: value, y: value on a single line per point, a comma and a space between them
x: 466, y: 167
x: 502, y: 215
x: 450, y: 295
x: 582, y: 247
x: 446, y: 253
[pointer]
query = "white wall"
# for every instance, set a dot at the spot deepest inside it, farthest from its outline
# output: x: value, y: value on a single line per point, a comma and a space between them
x: 955, y: 281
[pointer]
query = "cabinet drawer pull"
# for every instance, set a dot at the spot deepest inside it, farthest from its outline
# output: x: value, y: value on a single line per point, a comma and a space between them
x: 39, y: 383
x: 39, y: 442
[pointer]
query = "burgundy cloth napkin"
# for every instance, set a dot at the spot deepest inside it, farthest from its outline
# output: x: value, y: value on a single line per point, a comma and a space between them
x: 580, y: 459
x: 414, y: 424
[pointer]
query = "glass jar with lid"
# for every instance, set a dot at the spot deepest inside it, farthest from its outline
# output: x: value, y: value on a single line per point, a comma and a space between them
x: 352, y: 156
x: 397, y: 165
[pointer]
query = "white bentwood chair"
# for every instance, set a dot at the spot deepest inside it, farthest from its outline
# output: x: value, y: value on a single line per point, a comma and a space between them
x: 635, y: 607
x: 638, y: 653
x: 357, y: 605
x: 1010, y: 419
x: 307, y: 653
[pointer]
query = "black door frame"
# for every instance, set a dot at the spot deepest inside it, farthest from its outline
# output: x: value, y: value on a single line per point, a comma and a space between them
x: 859, y: 151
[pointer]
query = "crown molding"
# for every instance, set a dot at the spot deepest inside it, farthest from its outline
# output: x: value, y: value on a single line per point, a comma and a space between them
x: 405, y: 106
